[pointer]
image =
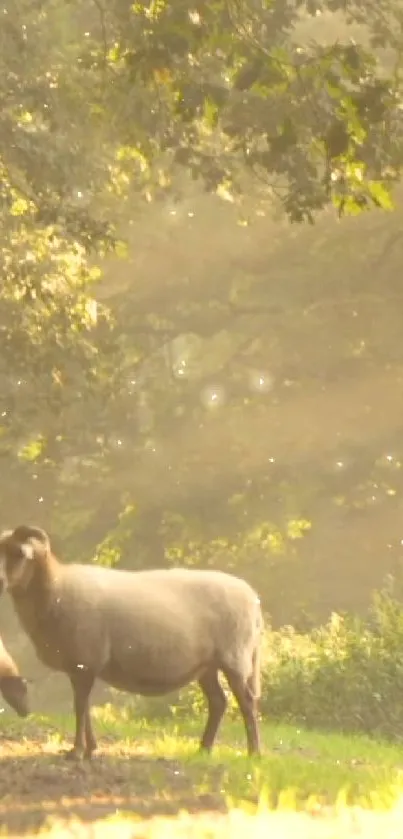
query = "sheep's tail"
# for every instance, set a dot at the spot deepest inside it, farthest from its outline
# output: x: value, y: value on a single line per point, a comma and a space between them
x: 254, y: 680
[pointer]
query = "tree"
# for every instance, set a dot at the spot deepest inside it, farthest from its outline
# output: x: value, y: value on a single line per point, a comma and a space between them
x: 232, y: 92
x: 110, y: 101
x: 106, y: 105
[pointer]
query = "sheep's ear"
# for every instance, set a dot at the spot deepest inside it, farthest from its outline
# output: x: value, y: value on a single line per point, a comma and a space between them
x: 28, y: 537
x: 24, y: 533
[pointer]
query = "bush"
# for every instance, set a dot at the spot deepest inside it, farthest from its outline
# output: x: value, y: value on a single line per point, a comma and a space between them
x: 345, y: 675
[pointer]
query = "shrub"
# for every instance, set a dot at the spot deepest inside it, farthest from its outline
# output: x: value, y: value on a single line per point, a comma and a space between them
x: 346, y: 675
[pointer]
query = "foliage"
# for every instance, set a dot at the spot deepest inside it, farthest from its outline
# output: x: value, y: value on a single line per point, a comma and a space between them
x: 346, y: 675
x: 52, y: 328
x: 224, y: 92
x: 112, y: 101
x: 238, y: 93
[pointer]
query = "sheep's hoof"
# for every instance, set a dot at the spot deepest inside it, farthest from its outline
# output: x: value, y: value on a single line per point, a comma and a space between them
x: 73, y: 754
x: 205, y: 748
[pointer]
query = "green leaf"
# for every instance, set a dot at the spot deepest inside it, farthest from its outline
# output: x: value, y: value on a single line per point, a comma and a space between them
x: 381, y: 195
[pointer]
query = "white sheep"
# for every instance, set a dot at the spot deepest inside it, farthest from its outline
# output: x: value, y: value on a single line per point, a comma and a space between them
x: 146, y: 632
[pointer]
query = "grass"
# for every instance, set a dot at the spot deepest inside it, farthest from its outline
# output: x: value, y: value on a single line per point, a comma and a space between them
x: 311, y: 764
x: 305, y: 781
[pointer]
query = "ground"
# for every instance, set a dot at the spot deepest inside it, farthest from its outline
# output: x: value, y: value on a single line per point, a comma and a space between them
x: 153, y: 771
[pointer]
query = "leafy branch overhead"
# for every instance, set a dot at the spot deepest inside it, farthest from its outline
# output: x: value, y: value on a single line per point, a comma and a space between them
x: 106, y: 105
x: 233, y: 92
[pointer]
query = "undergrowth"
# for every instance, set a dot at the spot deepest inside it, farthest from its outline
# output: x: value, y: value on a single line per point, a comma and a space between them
x: 346, y: 675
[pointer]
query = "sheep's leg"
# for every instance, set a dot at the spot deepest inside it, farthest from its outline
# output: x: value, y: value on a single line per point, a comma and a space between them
x: 217, y: 703
x: 82, y: 683
x: 248, y: 707
x: 90, y: 740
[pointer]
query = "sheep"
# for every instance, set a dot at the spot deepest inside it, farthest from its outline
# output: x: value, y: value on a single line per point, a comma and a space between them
x: 148, y: 632
x: 12, y: 686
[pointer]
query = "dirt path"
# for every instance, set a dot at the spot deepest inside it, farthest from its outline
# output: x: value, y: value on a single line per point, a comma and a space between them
x: 36, y: 783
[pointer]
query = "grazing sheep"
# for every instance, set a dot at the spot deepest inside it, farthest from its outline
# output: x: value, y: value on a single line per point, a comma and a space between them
x: 12, y: 686
x: 146, y: 632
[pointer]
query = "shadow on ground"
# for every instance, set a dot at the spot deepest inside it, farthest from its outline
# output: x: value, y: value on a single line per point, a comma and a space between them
x: 38, y: 784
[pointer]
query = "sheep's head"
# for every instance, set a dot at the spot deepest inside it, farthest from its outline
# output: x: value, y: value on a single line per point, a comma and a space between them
x: 15, y: 691
x: 20, y: 550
